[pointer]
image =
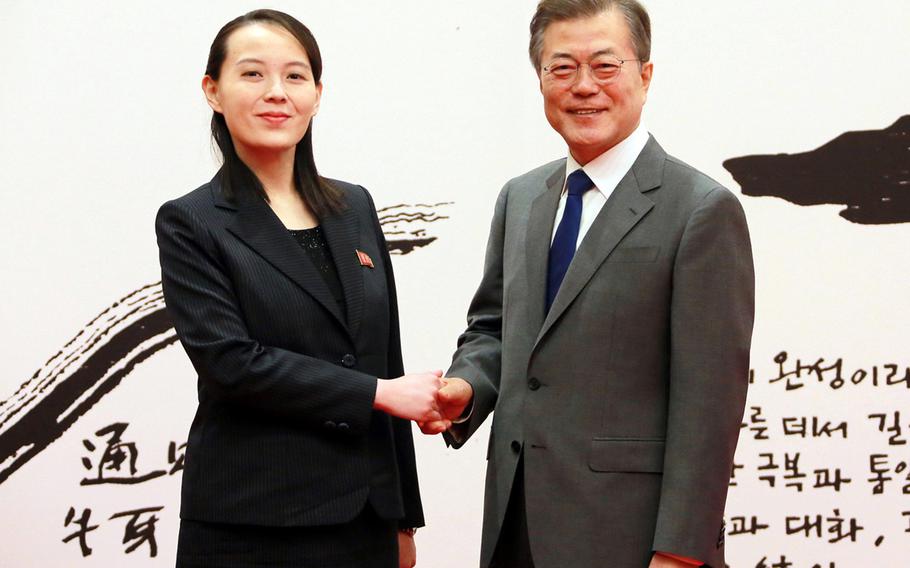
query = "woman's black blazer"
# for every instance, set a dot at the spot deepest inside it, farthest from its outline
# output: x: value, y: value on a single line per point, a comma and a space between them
x: 285, y: 433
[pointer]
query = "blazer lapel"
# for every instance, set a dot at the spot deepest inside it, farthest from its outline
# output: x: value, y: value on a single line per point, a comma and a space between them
x: 342, y: 232
x: 257, y: 225
x: 537, y: 245
x: 625, y: 207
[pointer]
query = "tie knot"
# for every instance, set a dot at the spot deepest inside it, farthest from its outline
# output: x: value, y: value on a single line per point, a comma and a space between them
x: 579, y: 182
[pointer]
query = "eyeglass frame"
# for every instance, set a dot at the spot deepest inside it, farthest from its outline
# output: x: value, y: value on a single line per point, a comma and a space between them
x: 579, y: 65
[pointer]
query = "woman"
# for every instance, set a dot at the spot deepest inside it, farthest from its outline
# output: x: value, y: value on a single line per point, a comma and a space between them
x: 281, y: 290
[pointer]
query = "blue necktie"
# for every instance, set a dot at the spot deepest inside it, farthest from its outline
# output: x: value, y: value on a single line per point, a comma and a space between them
x: 563, y: 248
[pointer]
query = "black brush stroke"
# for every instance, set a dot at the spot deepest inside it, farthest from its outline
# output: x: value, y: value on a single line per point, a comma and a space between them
x: 406, y: 218
x: 868, y: 171
x: 48, y: 420
x: 407, y: 246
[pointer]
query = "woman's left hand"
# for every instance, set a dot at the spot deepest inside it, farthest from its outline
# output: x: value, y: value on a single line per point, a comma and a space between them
x: 407, y: 550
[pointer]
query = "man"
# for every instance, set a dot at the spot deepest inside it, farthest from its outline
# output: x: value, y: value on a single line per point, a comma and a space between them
x: 612, y: 326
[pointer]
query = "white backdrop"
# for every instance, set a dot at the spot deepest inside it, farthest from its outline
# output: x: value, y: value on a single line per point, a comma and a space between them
x: 102, y: 120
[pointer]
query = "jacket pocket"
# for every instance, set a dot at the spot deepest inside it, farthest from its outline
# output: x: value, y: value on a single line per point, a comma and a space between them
x: 629, y: 455
x: 634, y: 254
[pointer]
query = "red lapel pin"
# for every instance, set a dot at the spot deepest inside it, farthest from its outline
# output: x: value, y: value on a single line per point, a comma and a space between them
x: 364, y: 258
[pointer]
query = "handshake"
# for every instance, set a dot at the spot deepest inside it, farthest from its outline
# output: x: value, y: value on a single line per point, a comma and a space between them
x: 426, y: 398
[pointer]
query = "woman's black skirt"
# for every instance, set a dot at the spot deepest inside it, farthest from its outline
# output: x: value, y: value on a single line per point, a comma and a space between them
x: 365, y: 542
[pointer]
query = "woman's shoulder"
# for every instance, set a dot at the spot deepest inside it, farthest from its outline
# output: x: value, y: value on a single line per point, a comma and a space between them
x: 198, y: 204
x: 205, y: 194
x: 346, y: 187
x: 355, y: 195
x: 201, y: 199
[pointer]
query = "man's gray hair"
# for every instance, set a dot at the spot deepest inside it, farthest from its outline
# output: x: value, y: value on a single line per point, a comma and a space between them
x: 550, y: 11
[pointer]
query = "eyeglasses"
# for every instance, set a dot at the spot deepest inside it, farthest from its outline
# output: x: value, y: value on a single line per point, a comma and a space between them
x: 604, y: 69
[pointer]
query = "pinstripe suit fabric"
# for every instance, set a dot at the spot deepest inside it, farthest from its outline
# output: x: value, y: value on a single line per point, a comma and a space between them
x: 285, y: 434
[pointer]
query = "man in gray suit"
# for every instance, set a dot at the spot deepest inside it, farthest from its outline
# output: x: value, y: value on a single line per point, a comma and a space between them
x: 611, y: 330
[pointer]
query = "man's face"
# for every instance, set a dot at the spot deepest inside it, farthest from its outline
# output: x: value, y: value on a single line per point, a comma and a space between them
x: 593, y: 117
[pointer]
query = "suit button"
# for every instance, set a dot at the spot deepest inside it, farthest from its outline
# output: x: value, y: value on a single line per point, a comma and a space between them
x: 348, y: 360
x: 330, y: 425
x: 516, y: 446
x: 343, y: 426
x: 533, y: 384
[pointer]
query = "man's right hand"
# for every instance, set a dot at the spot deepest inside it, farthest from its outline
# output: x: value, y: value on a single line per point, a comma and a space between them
x: 451, y: 400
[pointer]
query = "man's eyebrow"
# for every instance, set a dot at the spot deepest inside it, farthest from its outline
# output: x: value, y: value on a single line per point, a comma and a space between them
x: 561, y: 55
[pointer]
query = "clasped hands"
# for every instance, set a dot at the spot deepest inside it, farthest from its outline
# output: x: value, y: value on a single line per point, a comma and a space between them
x: 429, y: 399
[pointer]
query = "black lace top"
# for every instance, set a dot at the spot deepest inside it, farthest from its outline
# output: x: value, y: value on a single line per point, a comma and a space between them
x: 314, y: 243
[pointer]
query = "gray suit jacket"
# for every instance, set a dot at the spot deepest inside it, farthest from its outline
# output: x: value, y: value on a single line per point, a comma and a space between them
x: 626, y: 398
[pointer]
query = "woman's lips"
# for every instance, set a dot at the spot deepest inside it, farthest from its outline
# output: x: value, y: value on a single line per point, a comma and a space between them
x: 274, y: 118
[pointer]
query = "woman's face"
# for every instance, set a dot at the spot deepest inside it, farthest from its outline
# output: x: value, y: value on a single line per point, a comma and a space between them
x: 266, y: 90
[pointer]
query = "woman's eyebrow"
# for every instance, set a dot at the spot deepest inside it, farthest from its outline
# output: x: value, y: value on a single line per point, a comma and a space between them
x: 261, y: 62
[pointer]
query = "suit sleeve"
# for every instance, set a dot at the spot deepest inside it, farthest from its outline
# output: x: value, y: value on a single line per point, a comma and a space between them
x: 404, y: 441
x: 233, y: 366
x: 478, y: 357
x: 712, y: 311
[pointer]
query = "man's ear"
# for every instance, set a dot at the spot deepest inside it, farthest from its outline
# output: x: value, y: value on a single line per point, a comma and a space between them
x: 210, y: 89
x: 647, y: 72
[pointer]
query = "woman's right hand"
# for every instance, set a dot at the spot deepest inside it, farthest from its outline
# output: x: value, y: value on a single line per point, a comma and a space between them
x: 412, y: 397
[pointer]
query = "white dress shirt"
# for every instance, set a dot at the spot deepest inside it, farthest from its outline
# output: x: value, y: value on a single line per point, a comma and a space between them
x: 605, y: 171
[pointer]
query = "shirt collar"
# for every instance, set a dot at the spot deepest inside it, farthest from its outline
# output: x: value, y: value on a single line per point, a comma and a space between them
x: 608, y: 169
